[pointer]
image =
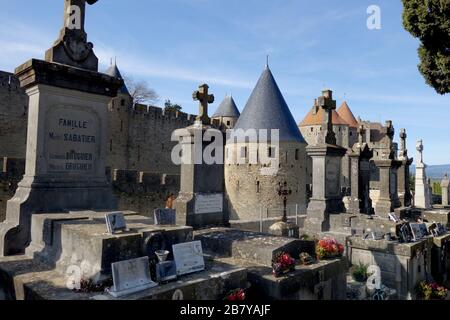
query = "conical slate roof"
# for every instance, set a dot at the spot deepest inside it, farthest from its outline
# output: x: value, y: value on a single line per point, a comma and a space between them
x: 113, y: 71
x: 347, y: 114
x: 267, y: 109
x: 227, y: 109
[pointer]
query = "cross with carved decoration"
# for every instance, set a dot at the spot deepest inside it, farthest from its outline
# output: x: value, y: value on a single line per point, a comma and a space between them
x: 72, y: 8
x: 284, y: 191
x: 203, y: 96
x: 327, y: 103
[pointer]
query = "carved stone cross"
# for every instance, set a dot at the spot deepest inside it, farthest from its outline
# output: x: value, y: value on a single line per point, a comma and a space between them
x: 420, y: 150
x: 403, y: 136
x: 203, y: 96
x: 327, y: 103
x: 71, y: 47
x: 75, y: 13
x: 361, y: 134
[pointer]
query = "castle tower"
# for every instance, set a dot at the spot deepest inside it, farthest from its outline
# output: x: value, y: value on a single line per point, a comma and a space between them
x: 256, y: 167
x: 118, y: 124
x: 227, y: 113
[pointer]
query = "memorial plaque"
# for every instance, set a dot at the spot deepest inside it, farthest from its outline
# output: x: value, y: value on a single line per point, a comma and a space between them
x: 208, y: 203
x: 165, y: 217
x: 115, y: 222
x: 332, y: 177
x: 188, y: 257
x: 131, y: 276
x: 72, y: 141
x: 416, y: 231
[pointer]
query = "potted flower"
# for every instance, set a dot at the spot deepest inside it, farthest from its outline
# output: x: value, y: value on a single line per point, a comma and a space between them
x: 431, y: 291
x: 359, y: 272
x: 282, y: 264
x: 236, y: 295
x: 329, y: 248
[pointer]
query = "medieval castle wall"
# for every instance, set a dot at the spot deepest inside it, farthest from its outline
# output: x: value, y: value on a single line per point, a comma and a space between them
x: 139, y: 143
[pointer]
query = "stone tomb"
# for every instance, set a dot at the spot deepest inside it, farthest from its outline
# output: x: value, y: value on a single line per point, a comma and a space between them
x: 62, y: 243
x: 255, y: 251
x: 403, y: 265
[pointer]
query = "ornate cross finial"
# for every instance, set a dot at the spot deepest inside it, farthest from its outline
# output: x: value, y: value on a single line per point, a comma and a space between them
x: 327, y: 103
x: 446, y: 176
x: 361, y: 134
x: 419, y: 148
x: 403, y: 136
x: 205, y: 99
x: 72, y: 47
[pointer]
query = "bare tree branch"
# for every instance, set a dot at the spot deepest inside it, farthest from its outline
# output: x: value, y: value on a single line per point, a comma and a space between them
x: 140, y: 91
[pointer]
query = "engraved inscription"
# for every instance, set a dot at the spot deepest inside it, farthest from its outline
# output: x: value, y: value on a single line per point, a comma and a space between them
x: 72, y: 142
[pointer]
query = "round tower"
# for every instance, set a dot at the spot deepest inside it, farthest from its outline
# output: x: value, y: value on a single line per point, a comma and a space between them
x: 227, y: 113
x: 252, y: 182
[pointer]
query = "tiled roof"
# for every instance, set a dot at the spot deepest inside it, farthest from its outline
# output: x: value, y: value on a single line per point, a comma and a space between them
x: 347, y: 114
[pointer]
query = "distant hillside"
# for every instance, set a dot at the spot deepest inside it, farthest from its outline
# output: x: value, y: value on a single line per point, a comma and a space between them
x: 435, y: 172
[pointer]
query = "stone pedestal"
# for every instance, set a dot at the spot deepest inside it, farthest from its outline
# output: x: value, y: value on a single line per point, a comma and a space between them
x: 327, y: 197
x: 445, y: 186
x: 66, y: 147
x: 200, y: 202
x: 388, y: 199
x: 422, y: 197
x: 360, y: 201
x: 404, y: 191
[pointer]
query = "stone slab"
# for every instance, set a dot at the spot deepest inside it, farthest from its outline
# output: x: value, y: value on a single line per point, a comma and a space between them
x: 81, y: 239
x: 26, y: 279
x: 254, y: 247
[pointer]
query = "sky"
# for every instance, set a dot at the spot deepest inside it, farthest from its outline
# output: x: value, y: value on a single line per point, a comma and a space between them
x: 175, y: 45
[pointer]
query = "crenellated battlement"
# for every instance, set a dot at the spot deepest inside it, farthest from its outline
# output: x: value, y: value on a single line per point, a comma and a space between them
x: 9, y: 83
x: 139, y: 181
x: 157, y: 113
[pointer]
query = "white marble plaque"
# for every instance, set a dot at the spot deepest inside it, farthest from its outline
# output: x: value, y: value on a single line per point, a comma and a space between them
x: 72, y: 141
x: 131, y: 276
x: 188, y: 257
x: 208, y: 203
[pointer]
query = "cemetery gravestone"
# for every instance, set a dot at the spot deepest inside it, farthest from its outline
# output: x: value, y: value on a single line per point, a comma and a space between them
x: 115, y: 222
x: 67, y: 132
x: 131, y: 276
x: 188, y: 257
x: 165, y: 217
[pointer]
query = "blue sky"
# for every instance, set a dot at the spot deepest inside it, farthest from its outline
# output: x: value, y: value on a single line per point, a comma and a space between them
x: 177, y: 44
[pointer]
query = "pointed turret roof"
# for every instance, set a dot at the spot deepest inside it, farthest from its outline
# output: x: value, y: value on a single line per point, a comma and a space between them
x: 113, y: 71
x: 267, y: 109
x: 227, y: 108
x: 347, y: 114
x: 316, y: 115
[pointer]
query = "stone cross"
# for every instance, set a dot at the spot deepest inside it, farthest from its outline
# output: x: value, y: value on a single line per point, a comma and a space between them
x: 75, y: 13
x: 203, y: 96
x: 361, y: 133
x: 403, y: 136
x: 327, y: 103
x: 420, y: 150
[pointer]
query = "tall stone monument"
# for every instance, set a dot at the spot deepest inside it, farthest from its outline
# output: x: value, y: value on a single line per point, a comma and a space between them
x: 445, y: 186
x: 326, y: 163
x: 200, y: 202
x: 403, y: 173
x: 422, y: 197
x: 360, y: 156
x: 67, y: 128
